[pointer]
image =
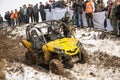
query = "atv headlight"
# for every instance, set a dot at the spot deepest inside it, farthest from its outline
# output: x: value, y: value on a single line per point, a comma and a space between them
x: 79, y: 44
x: 58, y: 50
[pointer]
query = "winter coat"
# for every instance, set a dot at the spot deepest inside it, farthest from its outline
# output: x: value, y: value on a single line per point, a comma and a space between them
x: 59, y: 4
x: 62, y: 4
x: 100, y: 7
x: 25, y: 11
x: 41, y: 8
x: 21, y: 12
x: 7, y: 16
x: 88, y: 7
x: 12, y: 16
x: 48, y: 7
x: 35, y: 9
x: 78, y: 7
x: 113, y: 11
x: 75, y: 7
x: 29, y: 11
x: 16, y: 14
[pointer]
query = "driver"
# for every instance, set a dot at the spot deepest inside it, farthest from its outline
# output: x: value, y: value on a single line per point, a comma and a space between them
x: 66, y: 19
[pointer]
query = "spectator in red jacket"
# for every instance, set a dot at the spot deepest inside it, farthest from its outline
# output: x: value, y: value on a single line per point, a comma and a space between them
x: 16, y: 17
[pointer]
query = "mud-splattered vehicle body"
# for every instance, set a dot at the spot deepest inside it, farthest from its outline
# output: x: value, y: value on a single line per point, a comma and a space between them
x: 46, y: 44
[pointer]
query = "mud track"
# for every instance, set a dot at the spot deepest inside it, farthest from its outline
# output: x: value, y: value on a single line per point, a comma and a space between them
x: 102, y: 58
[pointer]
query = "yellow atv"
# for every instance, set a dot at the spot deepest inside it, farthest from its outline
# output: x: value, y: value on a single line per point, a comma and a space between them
x: 46, y: 44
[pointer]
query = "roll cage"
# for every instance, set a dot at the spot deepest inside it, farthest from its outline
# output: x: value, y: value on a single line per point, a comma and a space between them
x: 50, y: 27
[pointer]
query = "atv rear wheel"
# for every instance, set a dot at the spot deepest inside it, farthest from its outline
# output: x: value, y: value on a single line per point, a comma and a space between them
x: 56, y: 67
x: 29, y: 59
x: 83, y: 56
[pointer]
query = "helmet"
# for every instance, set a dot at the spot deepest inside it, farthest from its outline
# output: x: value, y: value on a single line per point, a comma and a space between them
x: 67, y: 14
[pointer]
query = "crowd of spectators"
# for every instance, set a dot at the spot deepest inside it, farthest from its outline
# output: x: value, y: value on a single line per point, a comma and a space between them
x: 112, y: 12
x: 26, y: 14
x: 30, y: 13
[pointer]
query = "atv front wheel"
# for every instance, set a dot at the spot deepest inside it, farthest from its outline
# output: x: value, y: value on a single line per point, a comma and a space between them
x: 56, y: 67
x: 83, y: 56
x: 29, y: 59
x: 67, y: 62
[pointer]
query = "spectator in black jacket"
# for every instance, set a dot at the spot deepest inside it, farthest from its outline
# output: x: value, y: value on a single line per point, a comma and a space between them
x: 47, y: 6
x: 7, y: 18
x: 36, y: 13
x: 25, y: 16
x: 21, y: 19
x: 60, y: 4
x: 100, y: 6
x: 30, y: 12
x: 42, y: 12
x: 78, y: 10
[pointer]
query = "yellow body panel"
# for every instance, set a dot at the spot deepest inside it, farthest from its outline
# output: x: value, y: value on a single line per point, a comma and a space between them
x: 46, y: 53
x: 68, y: 45
x: 27, y: 44
x: 64, y: 44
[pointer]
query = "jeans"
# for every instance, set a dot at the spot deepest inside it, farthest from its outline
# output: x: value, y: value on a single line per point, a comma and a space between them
x: 89, y: 18
x: 77, y: 17
x: 12, y: 22
x: 25, y: 19
x: 36, y: 17
x: 80, y: 20
x: 9, y: 22
x: 21, y: 19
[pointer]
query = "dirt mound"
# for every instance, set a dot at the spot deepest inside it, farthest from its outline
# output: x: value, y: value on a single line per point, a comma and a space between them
x: 11, y: 49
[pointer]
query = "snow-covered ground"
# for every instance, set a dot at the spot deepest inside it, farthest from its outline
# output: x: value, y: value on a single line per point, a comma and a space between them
x: 92, y: 42
x: 22, y: 72
x: 104, y: 60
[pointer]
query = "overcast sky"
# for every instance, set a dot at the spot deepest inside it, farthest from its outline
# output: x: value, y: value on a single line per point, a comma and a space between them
x: 8, y: 5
